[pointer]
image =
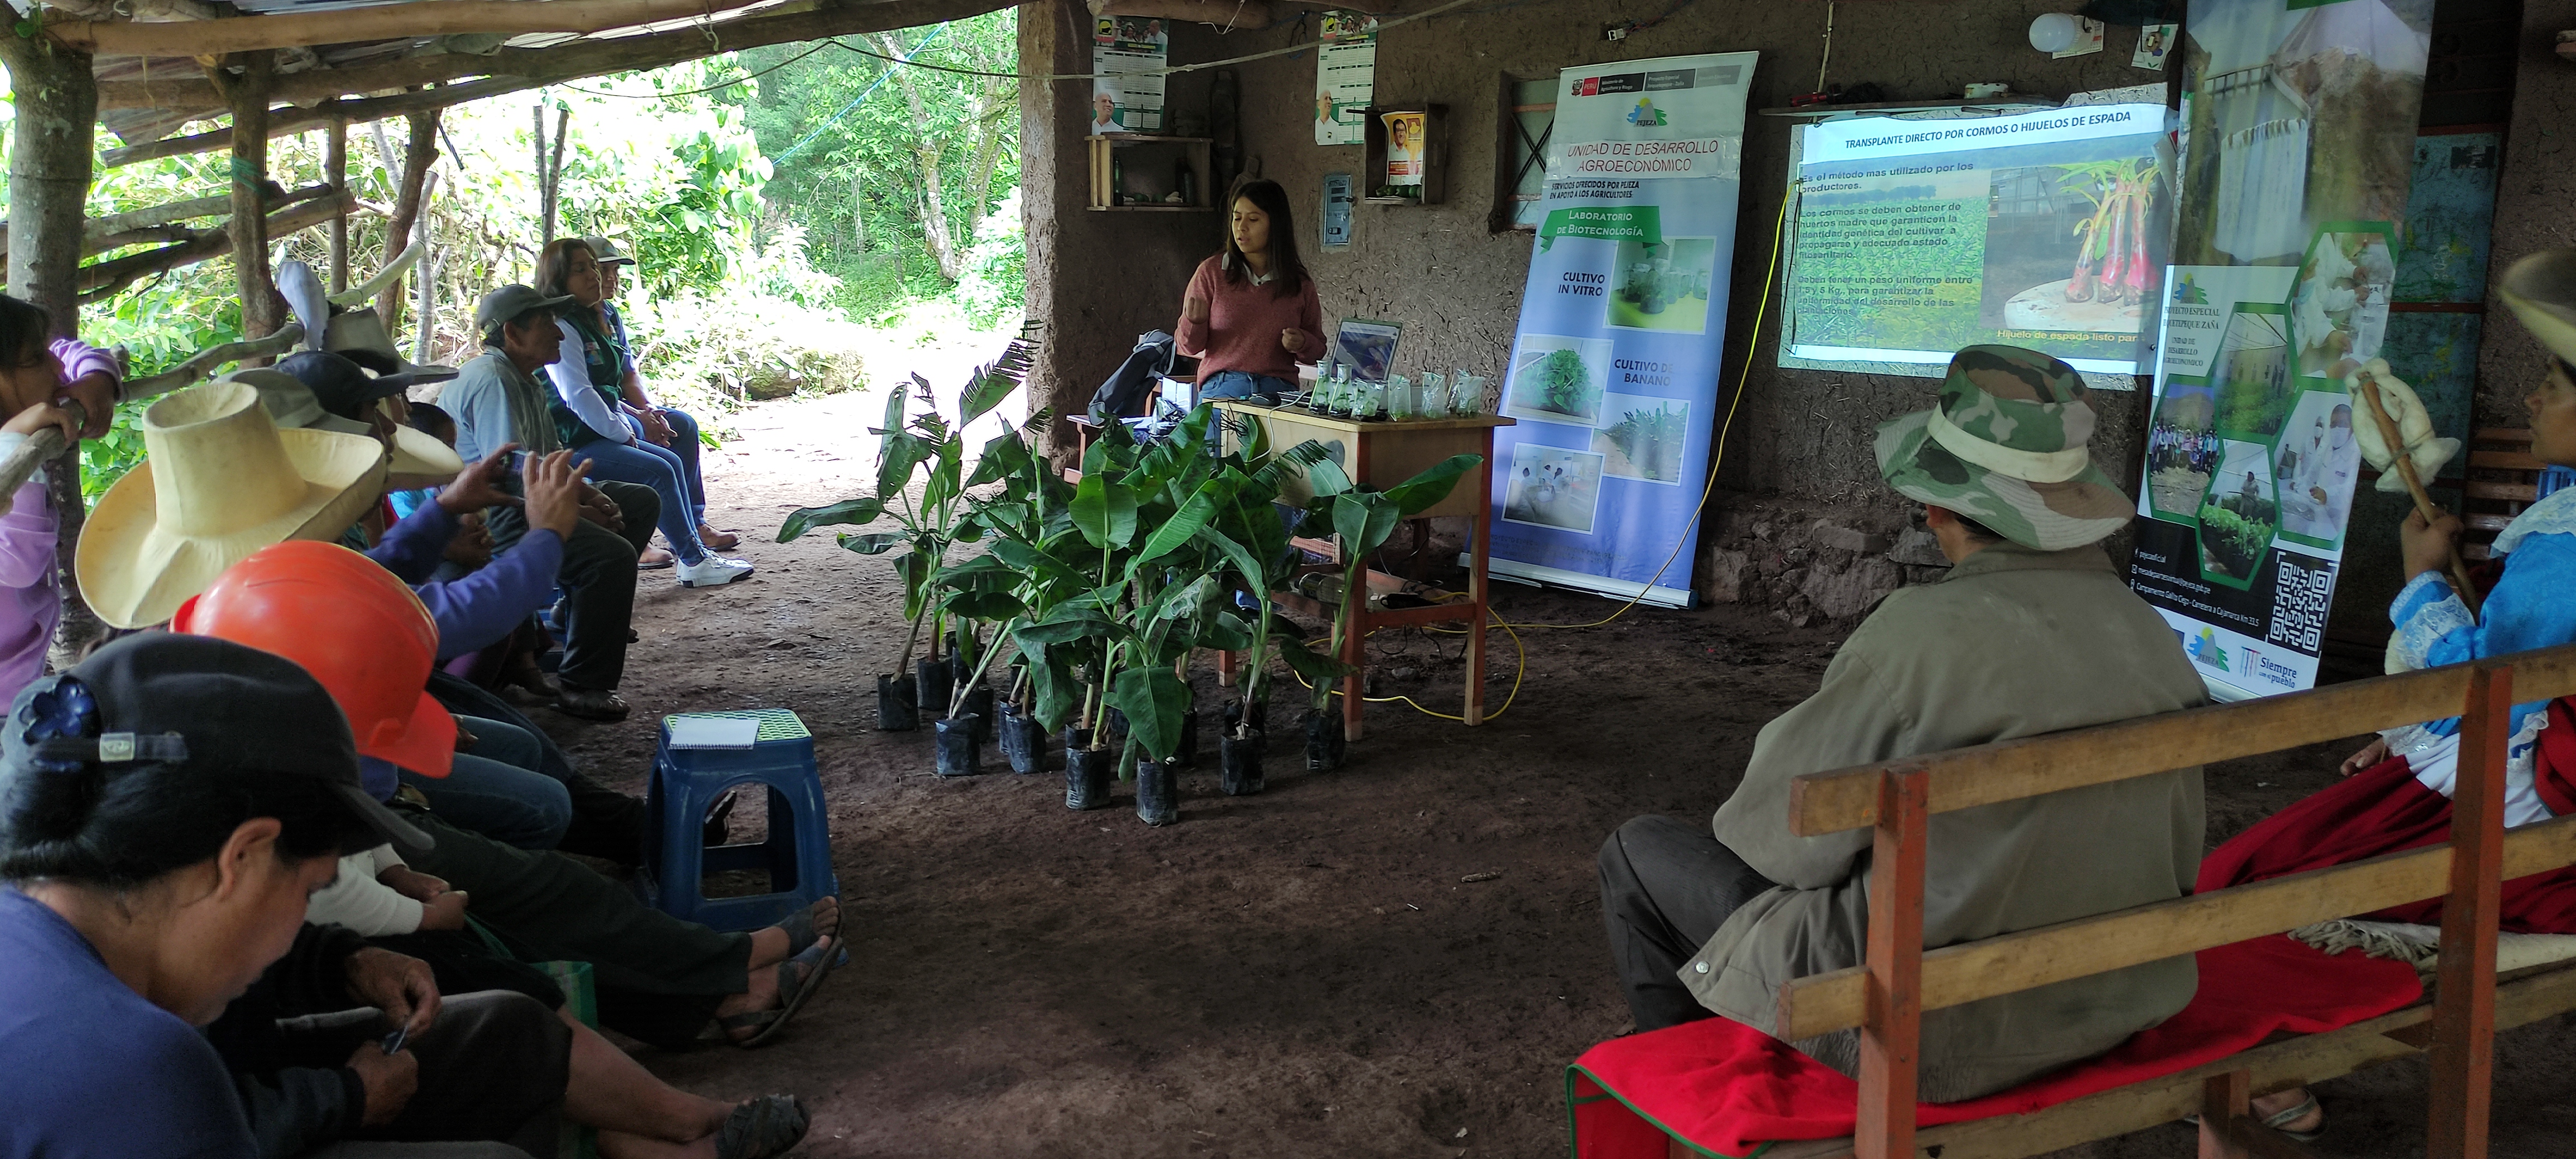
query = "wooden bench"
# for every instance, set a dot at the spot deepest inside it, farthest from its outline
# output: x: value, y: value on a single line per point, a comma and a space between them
x: 2503, y: 478
x: 1886, y: 998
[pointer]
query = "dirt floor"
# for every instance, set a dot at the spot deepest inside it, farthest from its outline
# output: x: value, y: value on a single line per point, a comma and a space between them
x: 1299, y: 973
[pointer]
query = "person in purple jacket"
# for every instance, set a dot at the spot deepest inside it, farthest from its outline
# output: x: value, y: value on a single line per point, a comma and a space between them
x: 498, y: 787
x: 36, y: 378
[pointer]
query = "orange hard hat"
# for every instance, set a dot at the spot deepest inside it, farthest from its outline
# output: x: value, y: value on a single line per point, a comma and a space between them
x: 355, y: 627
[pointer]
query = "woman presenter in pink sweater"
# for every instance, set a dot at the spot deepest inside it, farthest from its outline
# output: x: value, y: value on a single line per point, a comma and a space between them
x: 1251, y: 315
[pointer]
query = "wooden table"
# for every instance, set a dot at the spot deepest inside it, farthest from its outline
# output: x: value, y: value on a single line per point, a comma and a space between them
x: 1380, y: 454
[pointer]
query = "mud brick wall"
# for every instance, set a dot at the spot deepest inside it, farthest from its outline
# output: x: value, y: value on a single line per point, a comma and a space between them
x: 1799, y: 458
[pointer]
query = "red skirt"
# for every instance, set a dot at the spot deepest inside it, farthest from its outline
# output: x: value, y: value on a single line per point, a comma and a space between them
x: 2384, y: 809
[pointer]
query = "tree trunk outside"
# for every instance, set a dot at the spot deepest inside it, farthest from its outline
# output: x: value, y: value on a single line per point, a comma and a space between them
x: 49, y: 178
x: 418, y: 154
x: 934, y: 214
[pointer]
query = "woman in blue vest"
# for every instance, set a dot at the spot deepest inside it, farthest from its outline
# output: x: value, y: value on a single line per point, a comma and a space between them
x: 591, y: 410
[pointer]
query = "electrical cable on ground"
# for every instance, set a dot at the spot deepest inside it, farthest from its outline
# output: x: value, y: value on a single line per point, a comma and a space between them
x: 1717, y: 457
x: 1717, y: 452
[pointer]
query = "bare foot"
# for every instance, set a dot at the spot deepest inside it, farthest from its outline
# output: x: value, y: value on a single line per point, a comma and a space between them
x: 714, y: 540
x: 654, y: 559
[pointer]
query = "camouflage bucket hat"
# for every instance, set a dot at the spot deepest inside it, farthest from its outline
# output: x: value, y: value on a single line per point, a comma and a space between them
x: 2006, y: 447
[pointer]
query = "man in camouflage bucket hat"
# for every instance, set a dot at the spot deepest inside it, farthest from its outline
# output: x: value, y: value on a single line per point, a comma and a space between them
x: 2032, y: 631
x: 2005, y: 448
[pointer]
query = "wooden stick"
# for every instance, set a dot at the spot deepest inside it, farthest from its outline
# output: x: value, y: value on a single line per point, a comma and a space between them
x: 2405, y: 465
x: 203, y: 363
x: 101, y: 280
x: 39, y: 449
x: 393, y: 271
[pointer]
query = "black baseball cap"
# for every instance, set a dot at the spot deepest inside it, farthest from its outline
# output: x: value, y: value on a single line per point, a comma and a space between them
x: 339, y: 383
x: 210, y: 707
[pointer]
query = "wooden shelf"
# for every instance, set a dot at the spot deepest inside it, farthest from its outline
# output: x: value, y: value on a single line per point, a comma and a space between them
x: 1150, y: 187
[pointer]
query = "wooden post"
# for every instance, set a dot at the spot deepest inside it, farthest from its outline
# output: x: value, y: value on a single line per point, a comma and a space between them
x: 418, y: 154
x: 2463, y: 1052
x: 335, y: 169
x: 1894, y: 1030
x: 49, y: 178
x: 263, y: 310
x: 2224, y: 1099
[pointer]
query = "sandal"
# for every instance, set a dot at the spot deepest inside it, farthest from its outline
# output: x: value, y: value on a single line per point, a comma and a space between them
x: 761, y: 1127
x: 714, y: 540
x: 654, y: 559
x: 589, y: 703
x: 2277, y: 1119
x: 800, y: 930
x: 793, y: 987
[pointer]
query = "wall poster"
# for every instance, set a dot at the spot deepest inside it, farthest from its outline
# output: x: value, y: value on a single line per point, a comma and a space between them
x: 1614, y: 371
x: 2298, y: 141
x: 1128, y: 54
x: 1345, y: 78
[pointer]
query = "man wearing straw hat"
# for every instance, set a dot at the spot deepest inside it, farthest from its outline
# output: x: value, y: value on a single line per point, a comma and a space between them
x: 2032, y: 631
x: 497, y: 402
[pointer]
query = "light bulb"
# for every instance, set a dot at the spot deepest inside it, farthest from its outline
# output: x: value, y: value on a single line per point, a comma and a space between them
x: 2054, y: 32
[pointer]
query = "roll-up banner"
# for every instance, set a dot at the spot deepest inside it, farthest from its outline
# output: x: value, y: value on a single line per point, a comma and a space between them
x: 1614, y: 370
x: 2298, y: 142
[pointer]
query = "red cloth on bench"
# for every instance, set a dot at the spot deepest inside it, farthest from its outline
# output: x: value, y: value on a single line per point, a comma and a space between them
x: 1731, y: 1090
x: 2384, y: 809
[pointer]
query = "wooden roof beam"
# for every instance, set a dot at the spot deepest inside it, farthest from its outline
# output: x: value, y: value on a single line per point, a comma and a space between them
x: 575, y: 62
x: 385, y: 22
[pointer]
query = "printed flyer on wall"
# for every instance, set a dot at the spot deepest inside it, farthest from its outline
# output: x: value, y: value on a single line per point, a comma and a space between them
x: 2298, y: 127
x: 1129, y: 54
x: 1345, y: 77
x: 1915, y: 238
x: 1614, y: 371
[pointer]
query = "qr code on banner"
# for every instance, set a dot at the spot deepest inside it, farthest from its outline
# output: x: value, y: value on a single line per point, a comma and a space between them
x: 2299, y: 602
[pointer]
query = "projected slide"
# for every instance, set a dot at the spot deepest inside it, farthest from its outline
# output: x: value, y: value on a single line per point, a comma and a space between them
x: 1915, y: 238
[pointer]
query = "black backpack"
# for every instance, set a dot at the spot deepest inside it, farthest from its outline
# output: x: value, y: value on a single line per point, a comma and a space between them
x: 1126, y: 390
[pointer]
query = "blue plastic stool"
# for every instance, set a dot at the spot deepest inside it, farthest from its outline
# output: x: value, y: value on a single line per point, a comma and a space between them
x: 797, y: 854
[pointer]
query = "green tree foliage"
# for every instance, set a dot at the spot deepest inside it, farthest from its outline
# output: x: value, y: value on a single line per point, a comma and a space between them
x: 894, y: 170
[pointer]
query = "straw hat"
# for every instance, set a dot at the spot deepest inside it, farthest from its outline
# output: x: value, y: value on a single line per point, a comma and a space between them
x: 361, y: 336
x: 419, y: 459
x: 219, y: 481
x: 2541, y: 289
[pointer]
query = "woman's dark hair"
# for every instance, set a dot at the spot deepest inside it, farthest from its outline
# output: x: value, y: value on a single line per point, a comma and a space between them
x: 554, y: 264
x: 25, y: 331
x: 118, y: 826
x: 1287, y: 271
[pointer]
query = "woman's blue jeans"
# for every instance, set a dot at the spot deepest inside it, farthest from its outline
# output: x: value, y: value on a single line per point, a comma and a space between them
x: 1238, y: 384
x: 685, y: 445
x: 645, y: 464
x: 495, y: 790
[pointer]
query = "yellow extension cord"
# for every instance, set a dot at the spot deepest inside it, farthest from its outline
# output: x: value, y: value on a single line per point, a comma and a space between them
x: 1717, y: 456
